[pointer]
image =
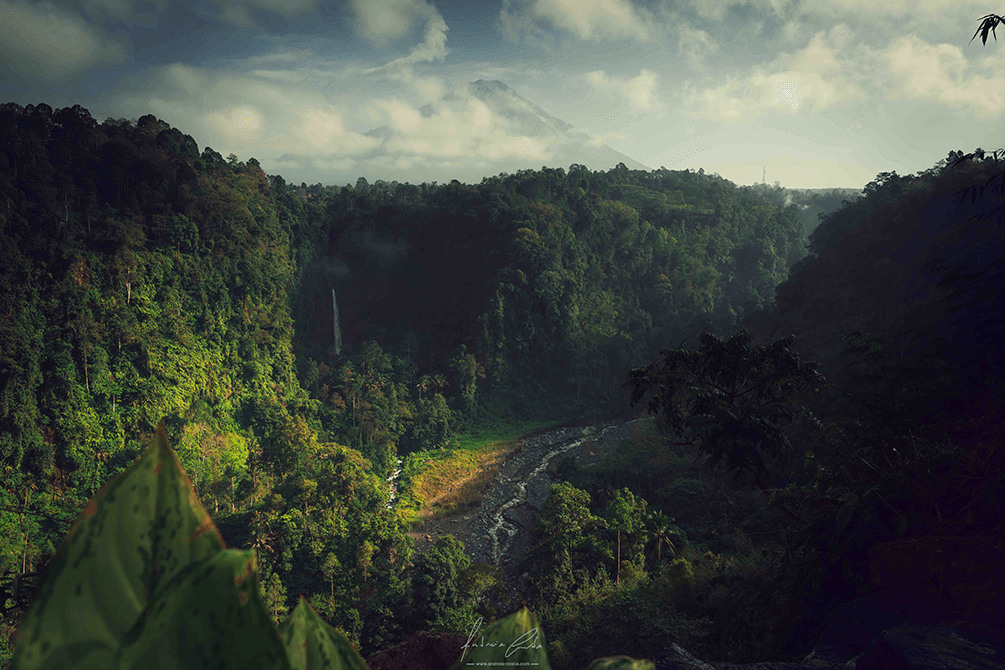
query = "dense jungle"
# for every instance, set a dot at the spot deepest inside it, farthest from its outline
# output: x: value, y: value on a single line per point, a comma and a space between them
x: 818, y: 387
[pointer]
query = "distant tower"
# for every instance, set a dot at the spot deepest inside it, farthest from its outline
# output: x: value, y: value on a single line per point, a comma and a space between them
x: 764, y: 171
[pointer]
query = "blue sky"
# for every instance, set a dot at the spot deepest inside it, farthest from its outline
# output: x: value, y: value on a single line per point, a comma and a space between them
x: 822, y: 94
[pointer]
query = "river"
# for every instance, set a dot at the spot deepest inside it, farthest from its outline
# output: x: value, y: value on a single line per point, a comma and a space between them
x: 498, y: 531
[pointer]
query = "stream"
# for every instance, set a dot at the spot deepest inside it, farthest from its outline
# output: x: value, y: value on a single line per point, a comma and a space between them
x: 392, y: 481
x: 497, y: 531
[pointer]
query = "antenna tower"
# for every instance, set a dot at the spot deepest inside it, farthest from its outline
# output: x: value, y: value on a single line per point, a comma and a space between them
x: 764, y: 171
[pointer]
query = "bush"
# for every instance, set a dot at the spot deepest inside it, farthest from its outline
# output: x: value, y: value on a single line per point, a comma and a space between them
x: 678, y: 582
x: 558, y: 656
x: 458, y: 620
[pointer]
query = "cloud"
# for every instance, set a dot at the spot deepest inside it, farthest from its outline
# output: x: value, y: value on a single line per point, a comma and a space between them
x: 237, y: 126
x: 695, y: 45
x: 824, y: 74
x: 640, y: 91
x: 334, y: 164
x: 43, y: 40
x: 278, y: 75
x: 938, y: 73
x: 318, y: 130
x: 432, y: 48
x: 382, y: 22
x: 586, y: 19
x: 270, y: 164
x: 230, y: 111
x: 236, y: 12
x: 403, y: 116
x: 460, y: 128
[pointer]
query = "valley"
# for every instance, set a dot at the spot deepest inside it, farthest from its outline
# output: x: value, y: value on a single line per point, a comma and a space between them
x: 495, y: 529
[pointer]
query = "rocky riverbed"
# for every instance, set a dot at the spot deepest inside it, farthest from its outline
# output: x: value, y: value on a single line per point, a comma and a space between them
x: 497, y: 531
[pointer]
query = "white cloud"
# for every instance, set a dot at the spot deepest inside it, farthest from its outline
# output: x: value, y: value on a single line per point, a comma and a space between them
x: 695, y: 45
x: 340, y: 164
x: 228, y: 111
x: 237, y: 126
x: 236, y: 12
x: 640, y: 91
x: 463, y: 128
x: 938, y: 73
x: 278, y: 75
x: 270, y: 165
x: 432, y: 48
x: 316, y: 130
x: 382, y: 22
x: 403, y: 116
x: 430, y: 88
x: 587, y: 19
x: 43, y: 40
x: 817, y: 75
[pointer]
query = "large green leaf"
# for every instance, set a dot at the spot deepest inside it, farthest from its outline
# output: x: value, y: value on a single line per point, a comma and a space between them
x: 311, y: 644
x: 210, y: 615
x: 138, y: 532
x: 514, y: 642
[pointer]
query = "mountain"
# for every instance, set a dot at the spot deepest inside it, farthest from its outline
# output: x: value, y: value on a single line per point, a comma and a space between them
x: 524, y: 118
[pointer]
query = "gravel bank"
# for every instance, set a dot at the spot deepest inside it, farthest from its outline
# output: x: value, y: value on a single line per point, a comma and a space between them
x: 497, y: 532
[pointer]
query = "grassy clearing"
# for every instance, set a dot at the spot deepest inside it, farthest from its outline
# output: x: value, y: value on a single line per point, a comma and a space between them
x: 443, y: 482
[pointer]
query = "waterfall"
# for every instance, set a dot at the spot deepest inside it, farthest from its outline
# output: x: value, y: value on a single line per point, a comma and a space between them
x: 338, y: 331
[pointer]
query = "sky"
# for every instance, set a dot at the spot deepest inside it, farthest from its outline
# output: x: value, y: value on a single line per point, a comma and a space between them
x: 808, y: 94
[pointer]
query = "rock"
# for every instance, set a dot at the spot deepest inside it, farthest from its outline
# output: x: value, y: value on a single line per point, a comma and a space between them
x: 422, y: 651
x: 856, y: 624
x: 676, y: 658
x: 890, y: 629
x: 914, y: 647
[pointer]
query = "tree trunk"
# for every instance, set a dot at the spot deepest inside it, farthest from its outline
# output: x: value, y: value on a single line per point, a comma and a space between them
x: 24, y: 555
x: 619, y: 558
x: 87, y: 380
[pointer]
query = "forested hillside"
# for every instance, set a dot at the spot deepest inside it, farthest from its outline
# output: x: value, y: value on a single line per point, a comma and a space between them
x: 142, y: 280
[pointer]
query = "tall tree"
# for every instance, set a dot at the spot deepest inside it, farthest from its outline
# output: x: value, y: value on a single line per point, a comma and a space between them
x: 624, y: 513
x: 661, y: 532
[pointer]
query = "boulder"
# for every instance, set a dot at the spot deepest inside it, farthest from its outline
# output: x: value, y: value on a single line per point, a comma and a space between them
x: 914, y: 647
x: 890, y: 629
x: 422, y: 651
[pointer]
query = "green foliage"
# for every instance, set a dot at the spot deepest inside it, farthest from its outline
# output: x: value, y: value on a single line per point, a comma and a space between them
x: 567, y: 543
x: 311, y: 643
x: 625, y: 514
x: 661, y: 531
x: 679, y: 582
x: 687, y: 499
x: 635, y: 618
x: 148, y: 516
x: 512, y: 642
x: 726, y: 400
x: 182, y: 286
x: 457, y: 620
x: 435, y: 580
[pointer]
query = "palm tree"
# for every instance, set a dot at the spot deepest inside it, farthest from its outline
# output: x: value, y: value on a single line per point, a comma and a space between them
x: 604, y: 493
x: 661, y: 532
